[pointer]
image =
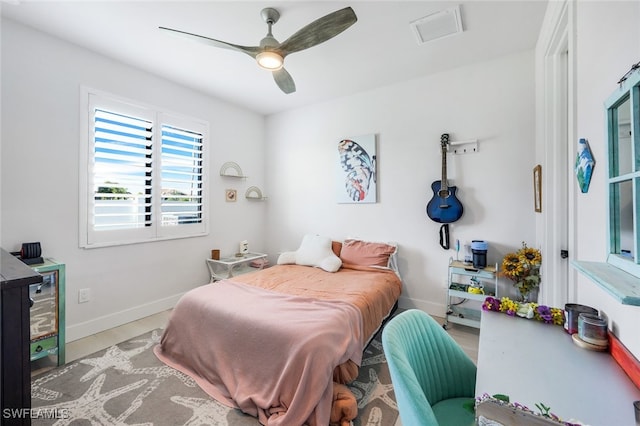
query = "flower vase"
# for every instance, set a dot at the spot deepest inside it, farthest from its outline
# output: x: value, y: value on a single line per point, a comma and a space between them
x: 529, y: 296
x: 524, y: 296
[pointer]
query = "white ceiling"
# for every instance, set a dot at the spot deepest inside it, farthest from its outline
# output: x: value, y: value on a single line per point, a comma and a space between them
x: 378, y: 50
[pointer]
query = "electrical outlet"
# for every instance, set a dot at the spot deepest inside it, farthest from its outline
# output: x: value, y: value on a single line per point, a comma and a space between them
x: 84, y: 294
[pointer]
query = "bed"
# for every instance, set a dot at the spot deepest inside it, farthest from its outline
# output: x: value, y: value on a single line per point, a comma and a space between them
x: 274, y: 343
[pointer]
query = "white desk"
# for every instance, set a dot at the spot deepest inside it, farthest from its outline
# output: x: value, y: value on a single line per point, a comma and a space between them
x: 533, y: 362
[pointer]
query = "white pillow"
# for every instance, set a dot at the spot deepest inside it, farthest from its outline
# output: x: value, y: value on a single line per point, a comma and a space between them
x: 331, y: 263
x: 287, y: 258
x: 314, y: 250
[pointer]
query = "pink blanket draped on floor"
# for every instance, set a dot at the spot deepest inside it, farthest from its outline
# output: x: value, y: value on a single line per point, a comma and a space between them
x: 270, y: 354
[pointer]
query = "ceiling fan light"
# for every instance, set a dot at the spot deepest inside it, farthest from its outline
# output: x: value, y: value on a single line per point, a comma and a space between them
x: 269, y: 60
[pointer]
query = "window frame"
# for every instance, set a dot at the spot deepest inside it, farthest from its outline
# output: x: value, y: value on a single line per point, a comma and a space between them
x: 89, y: 237
x: 629, y: 89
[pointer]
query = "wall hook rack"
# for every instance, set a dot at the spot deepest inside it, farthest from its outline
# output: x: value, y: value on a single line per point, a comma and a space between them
x: 463, y: 147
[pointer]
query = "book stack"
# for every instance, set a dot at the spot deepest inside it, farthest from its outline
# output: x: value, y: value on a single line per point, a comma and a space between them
x: 259, y: 263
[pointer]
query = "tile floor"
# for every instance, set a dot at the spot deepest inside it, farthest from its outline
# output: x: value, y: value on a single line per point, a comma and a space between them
x: 90, y: 344
x: 466, y: 337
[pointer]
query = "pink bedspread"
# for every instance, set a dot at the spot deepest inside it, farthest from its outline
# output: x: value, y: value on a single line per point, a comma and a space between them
x: 270, y: 354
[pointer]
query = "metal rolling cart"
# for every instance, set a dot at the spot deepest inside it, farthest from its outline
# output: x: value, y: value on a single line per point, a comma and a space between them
x: 464, y: 307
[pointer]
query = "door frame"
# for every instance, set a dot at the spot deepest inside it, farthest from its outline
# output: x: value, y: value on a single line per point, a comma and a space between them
x: 555, y: 127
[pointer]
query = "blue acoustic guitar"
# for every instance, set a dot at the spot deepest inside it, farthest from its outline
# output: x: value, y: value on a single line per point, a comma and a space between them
x: 444, y: 207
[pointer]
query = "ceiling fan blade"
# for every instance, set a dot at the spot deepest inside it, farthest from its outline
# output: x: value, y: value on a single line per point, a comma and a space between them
x: 319, y: 31
x: 249, y: 50
x: 284, y: 81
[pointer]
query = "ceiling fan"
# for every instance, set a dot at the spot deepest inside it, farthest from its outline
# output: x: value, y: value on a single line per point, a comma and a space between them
x: 270, y: 53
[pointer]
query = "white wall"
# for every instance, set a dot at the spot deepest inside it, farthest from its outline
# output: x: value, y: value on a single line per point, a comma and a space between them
x: 41, y: 77
x: 492, y: 101
x: 607, y: 44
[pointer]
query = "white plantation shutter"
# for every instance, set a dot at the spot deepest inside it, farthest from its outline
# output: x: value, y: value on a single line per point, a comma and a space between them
x: 122, y: 171
x: 145, y: 174
x: 181, y: 176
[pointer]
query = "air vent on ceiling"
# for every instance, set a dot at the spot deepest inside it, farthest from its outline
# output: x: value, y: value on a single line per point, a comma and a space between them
x: 437, y: 25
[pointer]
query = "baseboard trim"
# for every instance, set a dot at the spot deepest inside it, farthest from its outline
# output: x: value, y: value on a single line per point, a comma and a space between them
x: 435, y: 309
x: 116, y: 319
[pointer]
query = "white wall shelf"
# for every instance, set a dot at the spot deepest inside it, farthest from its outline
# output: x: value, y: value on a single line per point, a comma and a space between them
x: 254, y: 193
x: 231, y: 169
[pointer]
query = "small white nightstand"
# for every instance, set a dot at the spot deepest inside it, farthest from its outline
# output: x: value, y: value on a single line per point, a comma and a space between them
x: 229, y: 266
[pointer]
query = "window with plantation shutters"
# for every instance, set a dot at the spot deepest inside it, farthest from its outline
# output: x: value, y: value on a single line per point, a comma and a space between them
x: 145, y: 173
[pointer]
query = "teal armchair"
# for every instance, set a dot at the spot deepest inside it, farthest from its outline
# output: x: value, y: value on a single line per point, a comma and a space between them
x: 432, y: 376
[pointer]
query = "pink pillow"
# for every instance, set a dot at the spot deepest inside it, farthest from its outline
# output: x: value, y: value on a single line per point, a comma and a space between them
x: 336, y: 246
x: 365, y: 253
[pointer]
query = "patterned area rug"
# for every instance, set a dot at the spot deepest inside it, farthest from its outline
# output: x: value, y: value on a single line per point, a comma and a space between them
x: 127, y: 385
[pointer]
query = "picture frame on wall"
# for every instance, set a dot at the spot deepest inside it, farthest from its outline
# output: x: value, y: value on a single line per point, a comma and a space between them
x: 584, y: 165
x: 356, y: 174
x: 537, y: 188
x: 231, y: 195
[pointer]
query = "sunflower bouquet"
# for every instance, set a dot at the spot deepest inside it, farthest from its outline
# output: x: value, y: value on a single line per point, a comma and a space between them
x: 523, y: 268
